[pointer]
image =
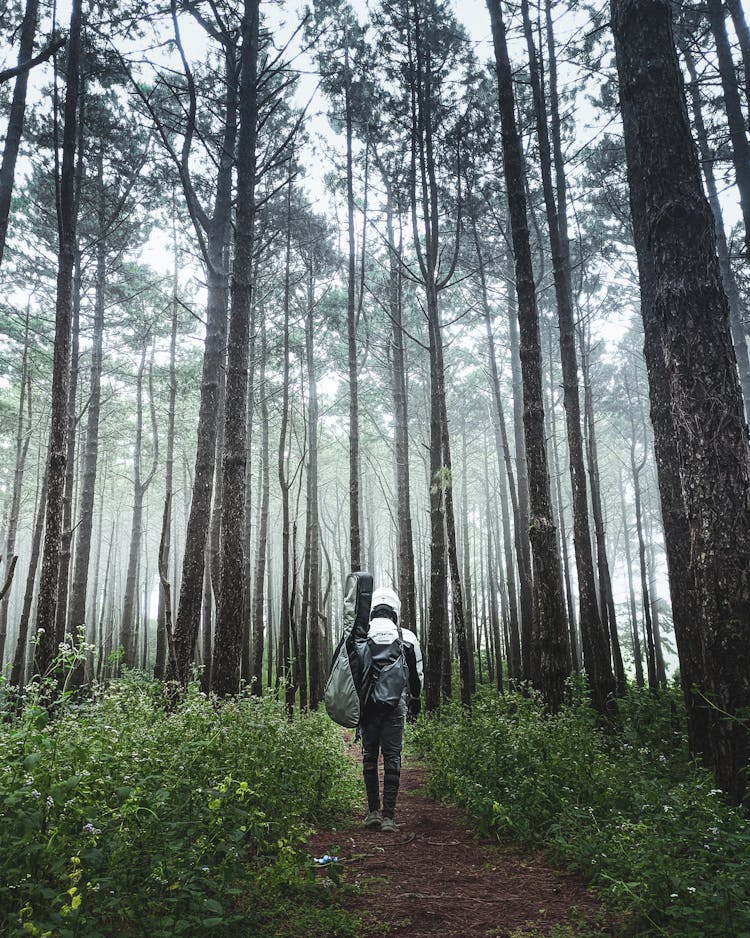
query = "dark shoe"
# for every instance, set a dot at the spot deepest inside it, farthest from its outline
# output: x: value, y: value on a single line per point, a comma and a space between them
x: 389, y: 826
x: 374, y: 820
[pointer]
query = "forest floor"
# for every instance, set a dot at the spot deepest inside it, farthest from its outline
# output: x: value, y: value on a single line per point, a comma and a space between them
x: 437, y: 878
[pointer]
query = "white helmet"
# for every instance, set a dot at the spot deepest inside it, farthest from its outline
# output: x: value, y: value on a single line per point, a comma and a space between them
x: 383, y: 596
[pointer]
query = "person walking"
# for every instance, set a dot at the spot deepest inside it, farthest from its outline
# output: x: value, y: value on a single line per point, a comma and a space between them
x: 391, y: 692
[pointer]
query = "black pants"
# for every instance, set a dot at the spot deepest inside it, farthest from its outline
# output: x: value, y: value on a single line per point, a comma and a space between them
x: 382, y: 731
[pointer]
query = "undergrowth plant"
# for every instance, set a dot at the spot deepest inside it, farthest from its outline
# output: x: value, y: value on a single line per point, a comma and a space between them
x: 627, y: 807
x: 136, y: 815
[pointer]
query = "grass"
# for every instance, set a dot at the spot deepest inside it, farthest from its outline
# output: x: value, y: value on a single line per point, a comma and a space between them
x: 629, y: 810
x: 128, y: 814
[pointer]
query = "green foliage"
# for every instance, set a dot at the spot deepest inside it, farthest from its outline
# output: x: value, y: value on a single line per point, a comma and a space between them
x: 128, y: 815
x: 629, y: 810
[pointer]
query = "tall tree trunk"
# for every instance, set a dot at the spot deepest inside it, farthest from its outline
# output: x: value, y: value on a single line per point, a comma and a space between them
x: 438, y: 613
x: 529, y: 661
x: 552, y: 626
x: 285, y: 617
x: 213, y: 545
x: 229, y: 630
x: 661, y: 671
x: 637, y: 660
x: 733, y: 108
x: 64, y: 571
x: 205, y: 643
x: 18, y: 671
x: 355, y: 536
x: 317, y: 666
x: 688, y: 305
x: 636, y: 469
x: 401, y: 424
x: 485, y: 620
x: 515, y: 671
x: 682, y: 581
x: 609, y: 614
x: 128, y: 625
x: 736, y: 311
x: 23, y: 438
x: 262, y: 546
x: 556, y: 474
x: 466, y: 574
x: 109, y: 587
x: 477, y: 621
x: 92, y: 637
x: 14, y: 130
x: 270, y: 643
x: 424, y: 200
x: 247, y: 594
x: 596, y: 657
x: 464, y: 664
x: 737, y: 13
x: 91, y: 453
x: 492, y: 627
x: 217, y: 295
x: 161, y: 617
x: 66, y: 541
x: 46, y: 647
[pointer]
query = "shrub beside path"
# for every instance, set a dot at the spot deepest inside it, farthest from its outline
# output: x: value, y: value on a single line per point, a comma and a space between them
x: 436, y: 878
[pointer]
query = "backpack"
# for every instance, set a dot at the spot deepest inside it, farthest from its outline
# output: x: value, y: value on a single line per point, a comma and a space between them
x: 343, y: 690
x: 389, y: 672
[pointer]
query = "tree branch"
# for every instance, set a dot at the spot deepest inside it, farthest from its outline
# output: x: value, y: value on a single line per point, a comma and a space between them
x: 26, y: 66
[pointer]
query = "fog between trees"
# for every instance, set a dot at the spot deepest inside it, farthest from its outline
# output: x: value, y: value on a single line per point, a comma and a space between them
x: 482, y: 331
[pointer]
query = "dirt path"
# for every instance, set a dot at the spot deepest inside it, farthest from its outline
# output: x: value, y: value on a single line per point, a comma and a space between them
x: 435, y: 878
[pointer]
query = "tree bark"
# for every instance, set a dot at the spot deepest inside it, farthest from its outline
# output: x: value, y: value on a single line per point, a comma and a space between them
x: 262, y: 546
x: 736, y: 311
x: 18, y: 671
x: 687, y: 305
x: 503, y: 452
x: 314, y: 618
x: 23, y: 438
x: 66, y: 541
x: 466, y: 574
x: 682, y: 582
x: 733, y: 107
x: 494, y: 620
x: 128, y: 624
x: 401, y: 424
x: 425, y: 200
x: 596, y: 657
x: 661, y: 671
x: 609, y: 614
x: 91, y: 452
x: 637, y: 660
x: 229, y: 629
x: 522, y: 525
x: 164, y: 630
x: 743, y: 36
x: 552, y: 629
x: 355, y: 536
x: 557, y: 496
x: 46, y: 648
x: 247, y: 594
x: 14, y: 130
x: 216, y: 260
x: 636, y: 469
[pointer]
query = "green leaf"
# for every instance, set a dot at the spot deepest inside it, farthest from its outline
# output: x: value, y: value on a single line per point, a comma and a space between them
x: 32, y: 761
x: 41, y: 719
